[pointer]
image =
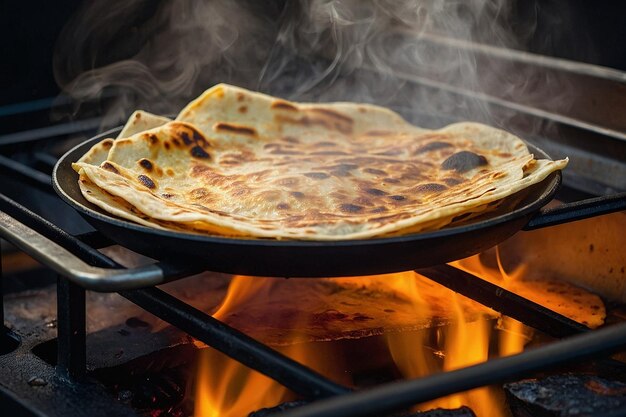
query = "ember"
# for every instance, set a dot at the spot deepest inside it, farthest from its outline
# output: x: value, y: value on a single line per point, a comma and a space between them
x: 566, y: 395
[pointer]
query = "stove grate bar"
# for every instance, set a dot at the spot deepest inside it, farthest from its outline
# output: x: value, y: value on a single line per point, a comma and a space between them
x: 27, y: 174
x: 579, y: 210
x: 104, y: 279
x: 95, y: 239
x: 49, y: 230
x: 46, y: 133
x: 395, y: 396
x: 46, y: 159
x: 503, y: 301
x: 235, y: 344
x: 71, y: 336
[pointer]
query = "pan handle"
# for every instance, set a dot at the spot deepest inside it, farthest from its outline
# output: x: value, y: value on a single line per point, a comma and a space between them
x: 577, y: 211
x: 70, y: 266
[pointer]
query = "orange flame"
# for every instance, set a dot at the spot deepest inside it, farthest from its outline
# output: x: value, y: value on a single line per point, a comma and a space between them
x: 463, y: 343
x: 226, y: 388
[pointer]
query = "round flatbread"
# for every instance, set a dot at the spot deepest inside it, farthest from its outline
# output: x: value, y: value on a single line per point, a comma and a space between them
x: 239, y: 163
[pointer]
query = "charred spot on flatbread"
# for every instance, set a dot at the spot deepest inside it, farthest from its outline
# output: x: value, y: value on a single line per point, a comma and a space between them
x: 464, y: 161
x: 433, y: 146
x: 430, y: 188
x: 350, y: 208
x: 146, y: 164
x: 198, y: 152
x: 146, y: 181
x: 234, y: 128
x: 109, y: 167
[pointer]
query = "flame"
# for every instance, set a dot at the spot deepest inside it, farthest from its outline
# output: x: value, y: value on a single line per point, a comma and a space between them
x: 463, y: 343
x: 226, y: 388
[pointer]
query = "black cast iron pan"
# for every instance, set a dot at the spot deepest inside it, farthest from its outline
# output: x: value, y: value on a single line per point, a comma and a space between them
x: 307, y: 258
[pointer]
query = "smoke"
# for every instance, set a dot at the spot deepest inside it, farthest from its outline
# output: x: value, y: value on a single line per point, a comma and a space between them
x: 421, y: 58
x: 434, y: 61
x: 159, y: 55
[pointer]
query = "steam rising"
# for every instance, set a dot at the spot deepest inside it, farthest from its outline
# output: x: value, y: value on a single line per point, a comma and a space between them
x: 408, y: 55
x: 171, y: 52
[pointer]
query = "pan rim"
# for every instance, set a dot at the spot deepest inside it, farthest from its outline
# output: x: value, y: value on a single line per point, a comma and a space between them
x: 553, y: 181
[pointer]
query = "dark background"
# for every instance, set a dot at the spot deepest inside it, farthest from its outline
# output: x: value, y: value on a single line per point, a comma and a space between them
x: 594, y: 33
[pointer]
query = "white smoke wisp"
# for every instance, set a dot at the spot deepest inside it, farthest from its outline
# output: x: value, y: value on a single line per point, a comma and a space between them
x: 170, y: 51
x: 413, y: 56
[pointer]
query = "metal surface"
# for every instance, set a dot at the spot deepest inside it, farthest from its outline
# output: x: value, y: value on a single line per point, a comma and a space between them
x: 74, y: 259
x: 27, y: 174
x: 71, y: 336
x: 45, y: 133
x: 398, y: 395
x: 596, y: 98
x: 235, y: 344
x: 503, y: 301
x: 82, y: 250
x: 307, y: 258
x: 578, y: 211
x: 30, y: 386
x: 68, y: 265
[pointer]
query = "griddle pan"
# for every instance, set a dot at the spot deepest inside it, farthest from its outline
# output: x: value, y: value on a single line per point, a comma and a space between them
x: 289, y: 258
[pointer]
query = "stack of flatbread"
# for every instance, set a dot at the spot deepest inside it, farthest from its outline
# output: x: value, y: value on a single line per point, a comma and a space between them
x: 244, y: 164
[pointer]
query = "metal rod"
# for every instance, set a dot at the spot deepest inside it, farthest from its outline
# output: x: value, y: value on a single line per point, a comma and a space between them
x: 503, y: 301
x: 577, y: 211
x: 106, y: 279
x: 45, y: 133
x: 45, y: 158
x: 30, y: 175
x: 71, y: 338
x: 398, y: 395
x: 54, y: 233
x: 235, y: 344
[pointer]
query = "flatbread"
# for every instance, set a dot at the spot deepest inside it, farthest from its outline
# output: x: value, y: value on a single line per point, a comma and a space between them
x: 139, y: 121
x: 239, y: 163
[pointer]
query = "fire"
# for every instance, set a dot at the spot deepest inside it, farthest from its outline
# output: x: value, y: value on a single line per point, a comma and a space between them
x: 537, y: 284
x: 462, y: 343
x: 226, y: 388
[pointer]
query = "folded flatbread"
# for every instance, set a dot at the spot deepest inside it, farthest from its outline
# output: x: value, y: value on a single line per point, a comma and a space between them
x: 240, y: 163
